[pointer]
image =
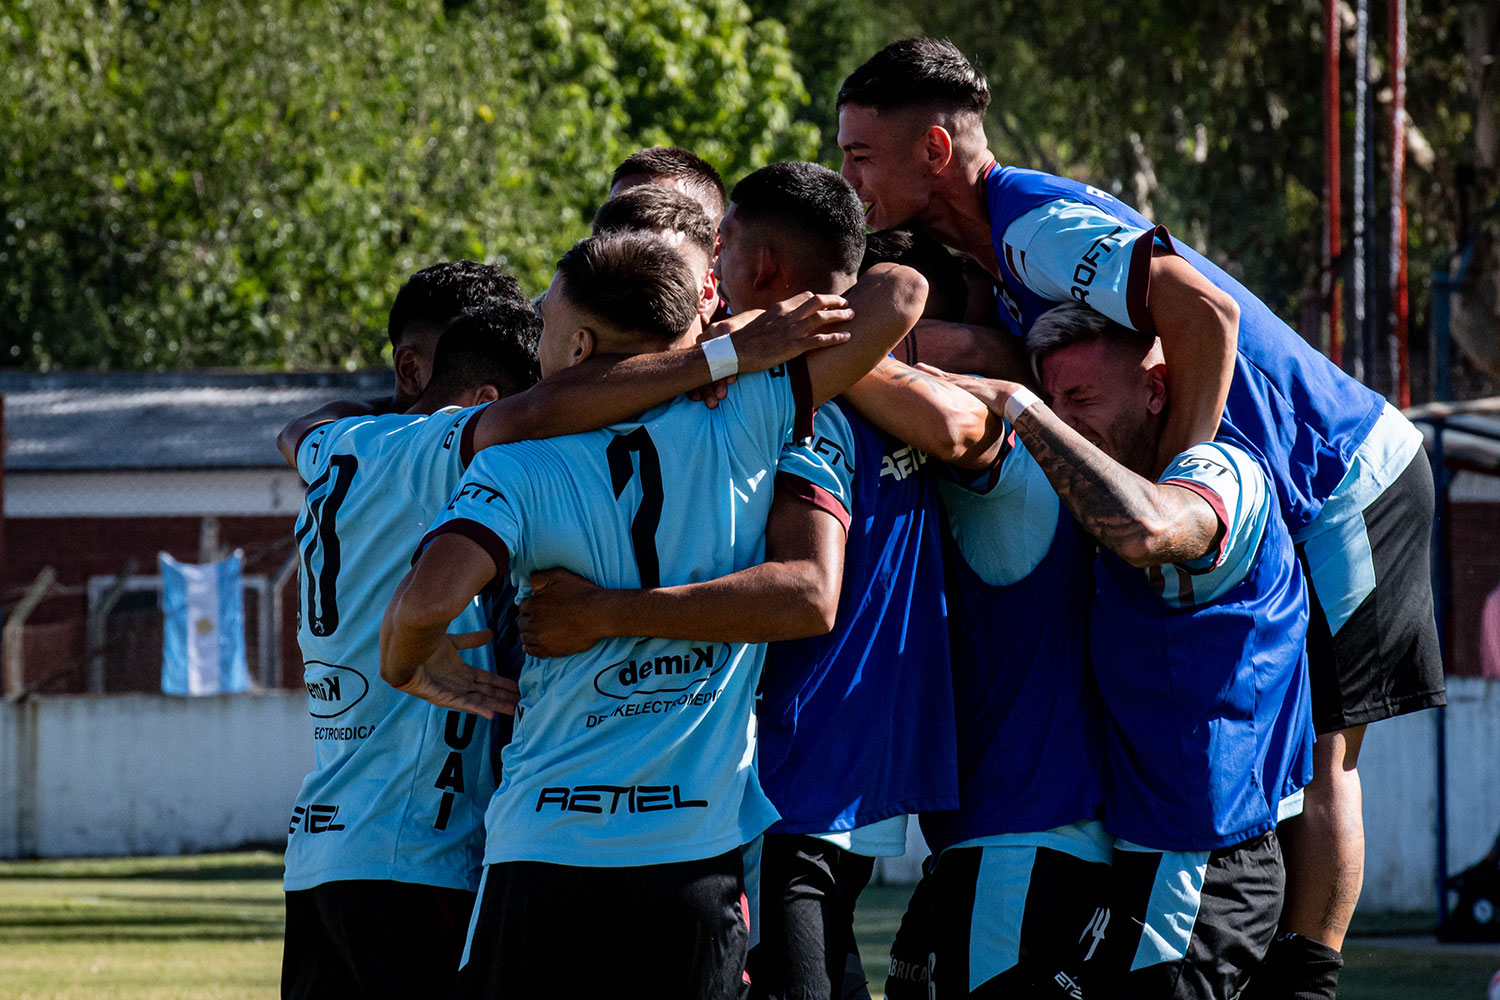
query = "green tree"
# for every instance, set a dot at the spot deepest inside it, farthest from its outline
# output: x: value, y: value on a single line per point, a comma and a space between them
x: 191, y: 184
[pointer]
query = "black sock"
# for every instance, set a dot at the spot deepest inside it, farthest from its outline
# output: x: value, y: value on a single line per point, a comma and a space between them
x: 1296, y: 968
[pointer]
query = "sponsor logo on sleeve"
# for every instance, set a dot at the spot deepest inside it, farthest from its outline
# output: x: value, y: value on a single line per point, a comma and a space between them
x: 1088, y: 264
x: 478, y: 492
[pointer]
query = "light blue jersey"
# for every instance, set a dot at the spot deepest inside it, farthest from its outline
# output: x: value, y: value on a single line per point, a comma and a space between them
x: 400, y: 785
x: 1241, y: 497
x: 637, y: 751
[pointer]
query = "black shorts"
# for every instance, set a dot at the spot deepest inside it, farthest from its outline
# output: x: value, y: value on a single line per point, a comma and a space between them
x: 807, y: 950
x: 367, y: 938
x: 1189, y: 925
x: 1372, y: 643
x: 998, y: 922
x: 559, y: 931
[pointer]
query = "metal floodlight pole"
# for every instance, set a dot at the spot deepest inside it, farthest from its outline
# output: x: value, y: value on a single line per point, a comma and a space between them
x: 1399, y: 351
x: 1361, y: 127
x: 1332, y: 180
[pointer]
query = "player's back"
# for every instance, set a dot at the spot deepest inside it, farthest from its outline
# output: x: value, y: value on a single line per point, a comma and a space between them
x: 637, y: 751
x: 399, y: 786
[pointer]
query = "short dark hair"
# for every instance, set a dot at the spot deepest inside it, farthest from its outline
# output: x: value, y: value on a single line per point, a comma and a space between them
x: 1075, y: 323
x: 635, y: 281
x: 810, y: 202
x: 914, y: 72
x: 493, y: 344
x: 697, y: 175
x: 947, y: 291
x: 436, y: 295
x: 653, y: 208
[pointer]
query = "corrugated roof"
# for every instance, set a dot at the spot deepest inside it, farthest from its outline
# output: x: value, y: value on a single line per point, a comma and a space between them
x: 170, y: 420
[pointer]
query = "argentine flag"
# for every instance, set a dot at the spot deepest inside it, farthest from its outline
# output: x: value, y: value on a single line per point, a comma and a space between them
x: 203, y: 647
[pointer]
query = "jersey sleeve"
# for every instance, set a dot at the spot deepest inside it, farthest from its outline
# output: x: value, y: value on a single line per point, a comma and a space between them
x: 487, y: 508
x: 445, y: 445
x: 313, y: 450
x: 766, y: 405
x: 1002, y: 519
x: 820, y: 470
x: 1069, y: 249
x: 1237, y: 490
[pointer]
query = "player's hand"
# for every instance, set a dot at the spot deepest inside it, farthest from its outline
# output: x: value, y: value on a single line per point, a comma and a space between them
x: 791, y: 327
x: 710, y: 395
x: 448, y: 682
x: 561, y: 615
x: 992, y: 392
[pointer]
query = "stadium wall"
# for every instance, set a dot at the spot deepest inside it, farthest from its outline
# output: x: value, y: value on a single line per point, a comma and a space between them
x: 150, y: 774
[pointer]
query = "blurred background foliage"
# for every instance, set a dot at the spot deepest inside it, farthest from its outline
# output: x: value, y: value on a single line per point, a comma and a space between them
x: 231, y: 183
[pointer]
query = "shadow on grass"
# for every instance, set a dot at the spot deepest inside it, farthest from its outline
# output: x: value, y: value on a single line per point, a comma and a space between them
x: 84, y: 871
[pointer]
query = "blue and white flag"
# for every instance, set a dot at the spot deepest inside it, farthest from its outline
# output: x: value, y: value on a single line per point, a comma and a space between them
x: 203, y: 646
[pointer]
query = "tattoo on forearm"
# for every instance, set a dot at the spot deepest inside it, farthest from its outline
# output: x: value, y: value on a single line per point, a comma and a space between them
x: 1111, y: 503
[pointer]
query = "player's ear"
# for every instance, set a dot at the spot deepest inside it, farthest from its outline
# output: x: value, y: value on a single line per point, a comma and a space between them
x: 1156, y: 389
x: 766, y: 268
x: 708, y: 296
x: 409, y: 375
x: 484, y: 394
x: 583, y: 345
x: 937, y: 149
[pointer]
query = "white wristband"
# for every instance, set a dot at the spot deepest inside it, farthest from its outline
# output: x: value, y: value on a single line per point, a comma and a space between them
x: 1019, y: 402
x: 722, y: 361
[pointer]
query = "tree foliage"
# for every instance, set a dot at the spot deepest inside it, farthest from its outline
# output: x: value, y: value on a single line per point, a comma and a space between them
x: 247, y: 183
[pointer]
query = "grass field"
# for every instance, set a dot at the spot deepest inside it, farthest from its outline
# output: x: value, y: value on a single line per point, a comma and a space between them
x: 209, y: 928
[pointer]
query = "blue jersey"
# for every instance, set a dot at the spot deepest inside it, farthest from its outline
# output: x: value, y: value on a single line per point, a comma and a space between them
x: 1030, y: 737
x: 1058, y: 239
x: 1203, y: 673
x: 857, y: 725
x: 400, y: 786
x: 639, y: 751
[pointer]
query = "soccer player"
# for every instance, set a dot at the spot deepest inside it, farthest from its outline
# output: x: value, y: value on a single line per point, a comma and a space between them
x: 425, y: 305
x: 1197, y: 626
x: 672, y: 167
x: 653, y: 208
x: 631, y: 777
x: 1346, y: 468
x: 363, y: 799
x: 843, y: 791
x: 386, y: 828
x: 1014, y: 900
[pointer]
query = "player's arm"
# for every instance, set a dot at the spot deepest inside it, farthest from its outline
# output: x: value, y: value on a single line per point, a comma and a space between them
x: 1198, y: 324
x: 602, y: 391
x: 417, y: 655
x: 968, y: 348
x: 887, y: 302
x: 928, y: 413
x: 1145, y: 523
x: 794, y: 593
x: 294, y: 433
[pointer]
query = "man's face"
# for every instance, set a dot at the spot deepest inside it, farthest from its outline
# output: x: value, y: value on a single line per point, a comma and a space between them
x: 736, y: 264
x: 561, y: 319
x: 883, y: 159
x: 1102, y: 392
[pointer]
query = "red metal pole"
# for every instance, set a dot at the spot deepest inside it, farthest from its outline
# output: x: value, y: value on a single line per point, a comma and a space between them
x: 1333, y: 212
x: 1400, y: 353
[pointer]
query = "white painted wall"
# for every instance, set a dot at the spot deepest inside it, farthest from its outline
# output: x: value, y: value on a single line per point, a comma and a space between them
x: 149, y: 774
x: 152, y: 493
